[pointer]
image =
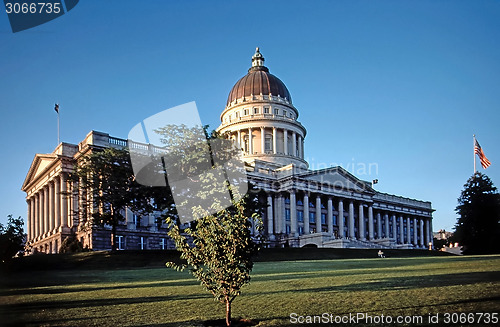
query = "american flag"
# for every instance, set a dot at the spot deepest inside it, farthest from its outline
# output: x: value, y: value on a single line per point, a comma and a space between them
x: 56, y: 107
x: 484, y: 161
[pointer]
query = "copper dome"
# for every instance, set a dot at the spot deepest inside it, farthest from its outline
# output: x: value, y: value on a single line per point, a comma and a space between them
x: 258, y: 81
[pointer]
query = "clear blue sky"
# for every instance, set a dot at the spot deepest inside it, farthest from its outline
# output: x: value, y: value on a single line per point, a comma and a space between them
x: 399, y: 84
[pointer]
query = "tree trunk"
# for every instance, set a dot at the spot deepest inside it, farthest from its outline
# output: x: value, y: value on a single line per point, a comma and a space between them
x: 228, y: 312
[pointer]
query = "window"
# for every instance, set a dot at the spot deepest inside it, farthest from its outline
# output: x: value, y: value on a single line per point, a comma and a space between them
x: 323, y: 218
x: 245, y: 112
x: 163, y: 243
x: 255, y: 111
x: 300, y: 216
x: 284, y: 113
x: 288, y: 229
x: 312, y: 217
x: 237, y: 114
x: 268, y: 146
x: 142, y: 244
x: 266, y: 110
x: 276, y: 111
x: 121, y: 242
x: 287, y: 200
x: 334, y: 220
x: 287, y: 214
x: 301, y: 230
x: 300, y: 203
x: 137, y: 220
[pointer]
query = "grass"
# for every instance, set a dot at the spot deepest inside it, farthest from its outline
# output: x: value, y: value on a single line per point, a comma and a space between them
x: 81, y: 292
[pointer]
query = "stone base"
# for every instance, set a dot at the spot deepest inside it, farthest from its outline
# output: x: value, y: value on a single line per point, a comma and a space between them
x: 317, y: 239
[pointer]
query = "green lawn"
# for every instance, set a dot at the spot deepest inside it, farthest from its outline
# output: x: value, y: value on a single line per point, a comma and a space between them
x: 157, y: 296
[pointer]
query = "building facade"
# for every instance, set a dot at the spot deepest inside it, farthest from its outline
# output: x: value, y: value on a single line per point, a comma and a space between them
x: 325, y: 208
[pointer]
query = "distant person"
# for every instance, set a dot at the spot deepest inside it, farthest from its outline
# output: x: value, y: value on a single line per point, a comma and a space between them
x: 381, y: 254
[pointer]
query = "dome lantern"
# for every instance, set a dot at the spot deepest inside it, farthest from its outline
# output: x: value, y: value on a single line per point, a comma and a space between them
x: 257, y: 59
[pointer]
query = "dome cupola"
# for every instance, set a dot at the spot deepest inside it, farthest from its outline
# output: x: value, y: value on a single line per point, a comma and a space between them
x: 261, y: 118
x: 258, y: 81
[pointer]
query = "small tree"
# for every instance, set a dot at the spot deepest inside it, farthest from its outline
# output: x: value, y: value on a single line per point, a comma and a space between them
x: 478, y: 227
x: 217, y: 247
x: 11, y: 238
x: 218, y: 250
x: 105, y: 178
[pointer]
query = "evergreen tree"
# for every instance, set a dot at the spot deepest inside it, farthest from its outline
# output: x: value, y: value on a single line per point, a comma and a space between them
x: 478, y: 227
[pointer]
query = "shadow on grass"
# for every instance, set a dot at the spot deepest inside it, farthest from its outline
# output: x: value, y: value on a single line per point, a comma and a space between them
x: 45, y: 322
x: 60, y: 290
x: 402, y: 283
x: 28, y: 307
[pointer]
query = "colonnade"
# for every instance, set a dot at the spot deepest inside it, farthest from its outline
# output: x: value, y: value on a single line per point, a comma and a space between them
x: 48, y: 208
x: 301, y: 213
x: 293, y: 145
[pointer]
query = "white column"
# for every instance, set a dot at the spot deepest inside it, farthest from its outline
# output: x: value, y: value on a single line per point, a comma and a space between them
x: 64, y: 201
x: 408, y: 231
x: 293, y: 214
x: 427, y: 233
x: 270, y: 225
x: 370, y: 223
x: 379, y: 225
x: 431, y: 235
x: 277, y: 217
x: 29, y: 223
x: 250, y: 141
x: 401, y: 230
x: 36, y: 218
x: 351, y: 220
x: 329, y: 216
x: 51, y: 206
x: 386, y: 221
x: 294, y: 144
x: 238, y: 140
x: 285, y: 141
x: 361, y: 217
x: 262, y: 140
x: 283, y: 214
x: 306, y: 214
x: 319, y: 227
x: 394, y: 229
x: 299, y: 145
x: 341, y: 219
x: 57, y: 202
x: 274, y: 140
x: 45, y: 209
x: 415, y: 235
x: 422, y: 242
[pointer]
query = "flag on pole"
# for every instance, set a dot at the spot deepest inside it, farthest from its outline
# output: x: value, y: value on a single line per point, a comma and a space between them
x: 56, y: 108
x: 479, y: 151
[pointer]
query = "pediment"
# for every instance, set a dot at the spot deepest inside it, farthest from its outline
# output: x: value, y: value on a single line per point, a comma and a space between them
x: 337, y: 177
x: 38, y: 167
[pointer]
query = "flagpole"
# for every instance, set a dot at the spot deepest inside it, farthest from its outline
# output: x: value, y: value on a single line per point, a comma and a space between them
x: 58, y: 133
x: 474, y: 151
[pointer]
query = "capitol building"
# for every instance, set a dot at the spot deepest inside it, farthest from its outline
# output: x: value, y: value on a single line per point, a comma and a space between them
x: 325, y: 208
